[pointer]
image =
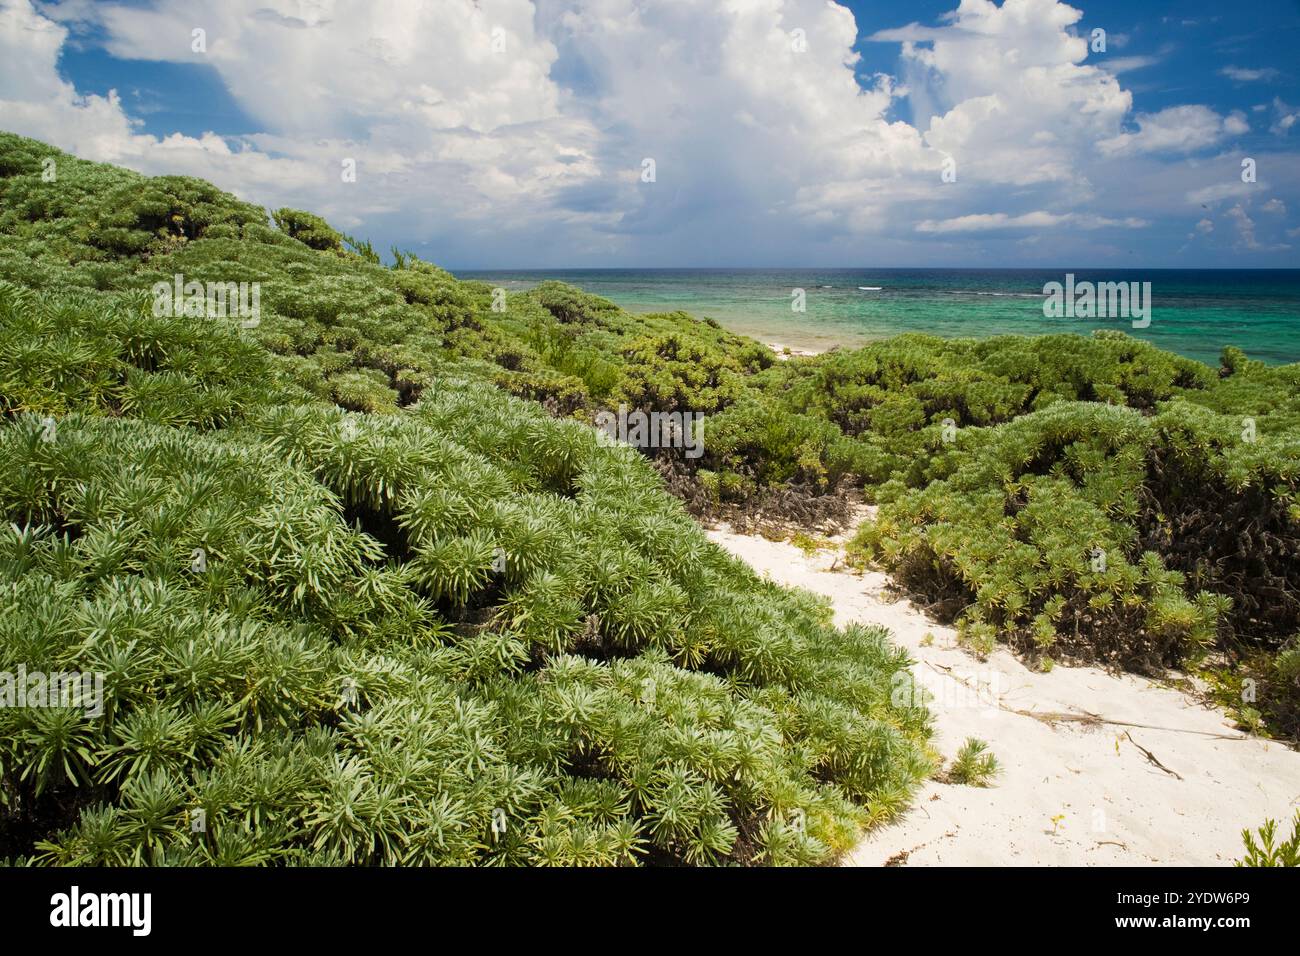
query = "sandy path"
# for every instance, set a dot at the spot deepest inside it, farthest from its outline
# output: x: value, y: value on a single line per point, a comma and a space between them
x: 1114, y: 806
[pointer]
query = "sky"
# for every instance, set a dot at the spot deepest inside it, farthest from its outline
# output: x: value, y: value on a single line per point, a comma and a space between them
x: 519, y: 134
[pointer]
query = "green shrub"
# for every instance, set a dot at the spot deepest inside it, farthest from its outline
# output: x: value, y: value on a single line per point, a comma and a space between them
x: 358, y: 605
x: 312, y: 231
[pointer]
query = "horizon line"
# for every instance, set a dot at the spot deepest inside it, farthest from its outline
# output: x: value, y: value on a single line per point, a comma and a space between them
x: 455, y: 269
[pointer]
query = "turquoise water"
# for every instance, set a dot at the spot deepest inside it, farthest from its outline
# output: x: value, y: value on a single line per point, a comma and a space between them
x: 1194, y: 313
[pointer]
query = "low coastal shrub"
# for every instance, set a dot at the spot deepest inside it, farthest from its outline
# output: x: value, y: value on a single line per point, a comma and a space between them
x: 347, y: 599
x: 1094, y: 498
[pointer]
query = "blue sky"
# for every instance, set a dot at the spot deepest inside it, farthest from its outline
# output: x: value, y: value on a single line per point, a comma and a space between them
x: 515, y: 134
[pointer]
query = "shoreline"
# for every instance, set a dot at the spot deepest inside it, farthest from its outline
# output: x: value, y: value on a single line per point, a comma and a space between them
x: 786, y: 352
x: 1192, y: 317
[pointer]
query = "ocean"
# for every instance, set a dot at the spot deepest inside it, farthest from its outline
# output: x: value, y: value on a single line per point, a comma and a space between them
x: 1193, y: 312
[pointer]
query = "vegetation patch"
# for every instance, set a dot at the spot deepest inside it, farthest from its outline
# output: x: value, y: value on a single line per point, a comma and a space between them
x: 361, y: 584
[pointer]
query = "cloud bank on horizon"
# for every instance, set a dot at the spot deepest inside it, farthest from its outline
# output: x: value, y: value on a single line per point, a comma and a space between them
x: 517, y: 133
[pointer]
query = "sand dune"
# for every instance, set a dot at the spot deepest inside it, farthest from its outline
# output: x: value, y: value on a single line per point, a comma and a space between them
x: 1097, y: 768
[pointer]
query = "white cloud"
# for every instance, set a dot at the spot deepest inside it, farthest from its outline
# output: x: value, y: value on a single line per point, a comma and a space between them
x: 1177, y: 129
x: 35, y: 100
x: 1284, y: 117
x: 433, y: 118
x: 1000, y: 76
x: 1038, y: 219
x: 1219, y: 191
x: 1127, y: 64
x: 1246, y: 231
x: 534, y: 152
x: 1245, y: 226
x: 438, y: 66
x: 1244, y: 75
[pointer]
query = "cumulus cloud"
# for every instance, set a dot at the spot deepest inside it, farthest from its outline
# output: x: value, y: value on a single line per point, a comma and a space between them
x: 355, y: 65
x: 35, y: 101
x: 1013, y: 99
x: 446, y: 116
x: 1245, y: 226
x: 517, y: 129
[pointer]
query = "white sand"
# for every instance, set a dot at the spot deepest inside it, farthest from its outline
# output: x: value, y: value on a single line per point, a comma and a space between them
x: 1114, y: 806
x: 786, y: 352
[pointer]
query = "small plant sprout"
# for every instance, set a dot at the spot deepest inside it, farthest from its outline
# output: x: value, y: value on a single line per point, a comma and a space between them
x: 1264, y: 850
x: 1056, y: 823
x: 974, y: 765
x: 1250, y: 720
x: 809, y: 544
